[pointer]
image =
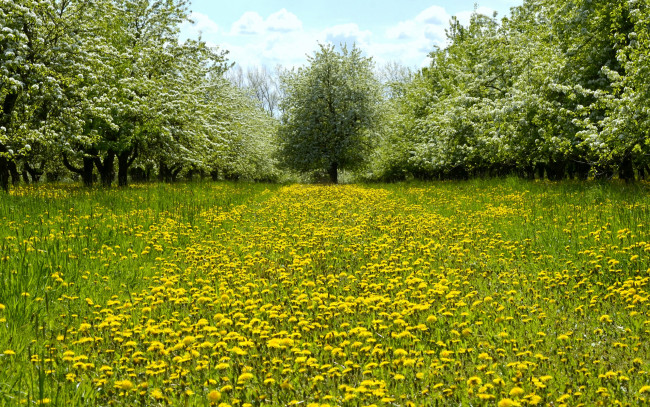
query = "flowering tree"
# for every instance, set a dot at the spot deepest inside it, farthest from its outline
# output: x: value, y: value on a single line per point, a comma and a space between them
x: 556, y: 89
x: 330, y: 112
x: 96, y: 87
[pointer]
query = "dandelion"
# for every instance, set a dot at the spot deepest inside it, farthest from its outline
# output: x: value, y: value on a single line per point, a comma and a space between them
x: 124, y: 385
x: 474, y: 381
x: 508, y: 403
x: 244, y: 377
x: 214, y: 396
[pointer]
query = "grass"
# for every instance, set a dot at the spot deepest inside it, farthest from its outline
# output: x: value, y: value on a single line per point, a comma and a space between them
x: 475, y: 293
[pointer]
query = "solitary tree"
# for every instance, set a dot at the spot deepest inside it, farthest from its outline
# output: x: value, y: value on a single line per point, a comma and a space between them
x: 329, y: 112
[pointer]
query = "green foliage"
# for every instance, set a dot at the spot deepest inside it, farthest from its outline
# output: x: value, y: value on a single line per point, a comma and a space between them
x: 108, y: 83
x: 556, y: 89
x: 330, y: 112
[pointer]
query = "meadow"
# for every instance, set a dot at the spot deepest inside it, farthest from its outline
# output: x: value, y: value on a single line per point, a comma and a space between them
x: 482, y: 293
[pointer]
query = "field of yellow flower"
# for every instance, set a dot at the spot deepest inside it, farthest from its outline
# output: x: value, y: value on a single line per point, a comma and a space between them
x: 481, y: 293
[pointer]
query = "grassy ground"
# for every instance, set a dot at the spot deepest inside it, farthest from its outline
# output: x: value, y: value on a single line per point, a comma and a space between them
x: 479, y: 293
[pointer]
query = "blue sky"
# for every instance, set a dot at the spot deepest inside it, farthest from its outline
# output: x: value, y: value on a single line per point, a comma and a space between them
x: 274, y: 32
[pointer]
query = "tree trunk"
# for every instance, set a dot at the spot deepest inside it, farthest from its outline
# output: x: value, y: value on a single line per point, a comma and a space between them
x: 163, y: 172
x: 333, y: 172
x: 4, y: 171
x: 175, y: 171
x: 539, y: 168
x: 626, y: 169
x: 582, y: 170
x: 8, y: 105
x: 168, y: 174
x: 13, y: 170
x: 555, y: 170
x: 124, y: 161
x: 34, y: 173
x: 86, y: 171
x: 107, y: 168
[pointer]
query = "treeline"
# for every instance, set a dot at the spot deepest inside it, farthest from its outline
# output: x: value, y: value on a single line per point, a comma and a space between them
x: 558, y: 89
x: 105, y: 89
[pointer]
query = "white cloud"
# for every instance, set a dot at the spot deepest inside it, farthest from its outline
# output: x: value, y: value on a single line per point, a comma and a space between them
x: 404, y: 30
x: 202, y: 24
x: 283, y: 21
x: 286, y: 49
x: 434, y: 15
x: 281, y: 38
x: 347, y: 34
x: 250, y: 23
x: 417, y: 37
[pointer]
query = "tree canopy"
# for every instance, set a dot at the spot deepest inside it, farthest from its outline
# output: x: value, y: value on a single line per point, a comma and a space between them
x: 557, y: 89
x: 106, y: 90
x: 90, y: 85
x: 329, y: 110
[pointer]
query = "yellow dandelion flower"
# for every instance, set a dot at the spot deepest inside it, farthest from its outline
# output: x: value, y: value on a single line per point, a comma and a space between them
x: 244, y: 377
x: 508, y: 403
x: 516, y: 392
x: 474, y: 381
x: 214, y: 396
x: 563, y: 398
x: 124, y: 385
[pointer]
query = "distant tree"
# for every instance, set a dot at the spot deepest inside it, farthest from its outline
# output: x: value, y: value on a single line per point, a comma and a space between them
x: 260, y: 83
x: 394, y: 77
x: 330, y: 112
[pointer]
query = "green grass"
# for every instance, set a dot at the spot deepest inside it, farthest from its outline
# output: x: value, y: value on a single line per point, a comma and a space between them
x: 463, y: 293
